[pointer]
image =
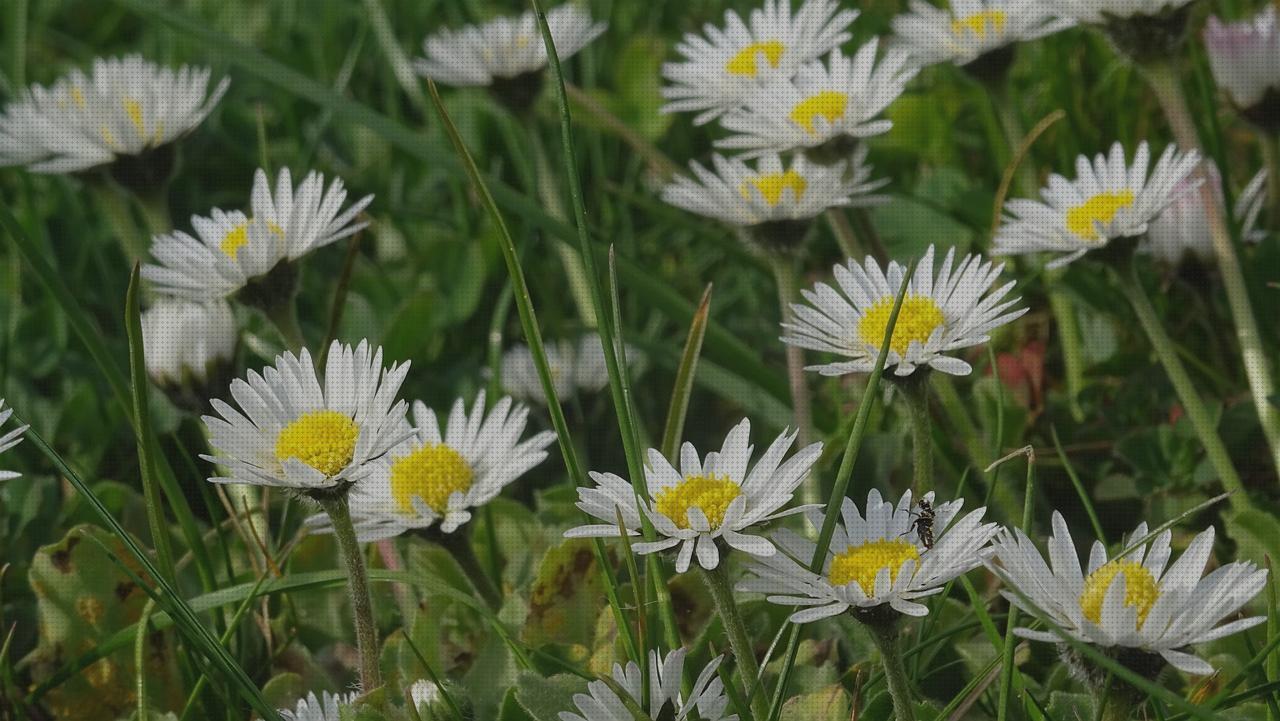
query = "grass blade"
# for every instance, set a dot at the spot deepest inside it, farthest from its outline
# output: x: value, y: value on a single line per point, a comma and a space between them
x: 843, y: 476
x: 142, y: 428
x: 673, y: 431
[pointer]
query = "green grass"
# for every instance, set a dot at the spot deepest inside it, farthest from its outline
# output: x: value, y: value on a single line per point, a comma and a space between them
x: 469, y: 224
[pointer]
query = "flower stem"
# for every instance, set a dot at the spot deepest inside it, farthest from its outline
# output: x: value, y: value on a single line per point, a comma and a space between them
x: 1163, y: 78
x: 717, y: 581
x: 459, y: 547
x: 1117, y: 705
x: 915, y: 391
x: 1194, y: 406
x: 784, y: 272
x: 885, y: 636
x: 284, y: 316
x: 358, y: 585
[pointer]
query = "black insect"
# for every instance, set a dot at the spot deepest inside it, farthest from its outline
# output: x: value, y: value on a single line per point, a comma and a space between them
x: 923, y: 523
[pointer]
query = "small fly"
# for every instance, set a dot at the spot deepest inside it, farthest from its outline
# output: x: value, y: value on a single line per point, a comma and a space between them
x: 922, y: 524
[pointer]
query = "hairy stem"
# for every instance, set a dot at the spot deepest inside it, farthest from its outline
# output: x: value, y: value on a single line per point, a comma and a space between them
x: 784, y: 271
x: 895, y: 672
x: 284, y: 316
x: 1163, y: 78
x: 748, y: 669
x: 1194, y: 406
x: 358, y: 585
x: 915, y: 391
x: 459, y: 547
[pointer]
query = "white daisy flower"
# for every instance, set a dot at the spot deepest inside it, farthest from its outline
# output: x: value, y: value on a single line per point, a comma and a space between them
x: 123, y: 107
x: 9, y: 440
x: 1103, y: 11
x: 575, y: 368
x: 942, y: 313
x: 233, y: 249
x: 971, y: 29
x: 293, y: 432
x: 705, y: 501
x: 740, y: 195
x: 1109, y: 199
x: 1182, y: 230
x: 723, y: 69
x: 839, y: 101
x: 185, y: 341
x: 440, y: 476
x: 706, y: 698
x: 1134, y: 601
x: 325, y: 707
x: 505, y: 48
x: 1245, y: 59
x: 873, y: 560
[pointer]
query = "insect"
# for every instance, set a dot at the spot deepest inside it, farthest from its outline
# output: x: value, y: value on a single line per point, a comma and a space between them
x: 923, y: 523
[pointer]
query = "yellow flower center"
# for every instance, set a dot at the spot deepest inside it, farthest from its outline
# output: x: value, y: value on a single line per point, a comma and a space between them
x: 744, y: 63
x: 239, y: 237
x: 979, y: 23
x: 432, y: 473
x: 863, y: 563
x: 77, y: 97
x: 771, y: 186
x: 1101, y: 208
x: 324, y: 440
x: 1140, y: 589
x: 710, y: 494
x: 917, y: 320
x: 829, y: 104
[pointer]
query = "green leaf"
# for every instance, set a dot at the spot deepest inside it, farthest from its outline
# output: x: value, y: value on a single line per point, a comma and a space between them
x: 545, y: 698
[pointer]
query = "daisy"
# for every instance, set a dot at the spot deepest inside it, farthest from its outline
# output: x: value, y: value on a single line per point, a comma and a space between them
x: 1182, y: 230
x: 326, y: 707
x: 738, y: 194
x: 123, y: 107
x: 705, y: 501
x: 1133, y: 601
x: 971, y: 29
x: 942, y: 313
x: 233, y: 249
x: 185, y: 341
x: 575, y: 368
x: 1244, y: 59
x: 1108, y: 200
x: 722, y: 70
x: 1103, y: 11
x: 874, y: 560
x: 9, y: 440
x: 506, y: 53
x: 439, y: 476
x: 706, y: 700
x: 823, y: 107
x: 293, y: 432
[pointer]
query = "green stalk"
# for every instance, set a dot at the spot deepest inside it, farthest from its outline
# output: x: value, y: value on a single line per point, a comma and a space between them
x: 717, y: 581
x: 841, y: 488
x: 155, y: 210
x: 784, y: 272
x: 843, y: 230
x: 140, y: 660
x: 114, y: 206
x: 1116, y: 704
x: 460, y: 548
x: 1063, y: 307
x: 569, y: 258
x: 284, y: 316
x: 626, y: 421
x: 533, y: 336
x: 358, y: 586
x: 1163, y: 78
x: 915, y: 391
x: 895, y: 672
x: 1007, y: 671
x: 1194, y: 406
